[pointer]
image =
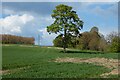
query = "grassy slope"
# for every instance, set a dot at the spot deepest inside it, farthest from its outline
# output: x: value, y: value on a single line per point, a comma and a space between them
x: 41, y: 63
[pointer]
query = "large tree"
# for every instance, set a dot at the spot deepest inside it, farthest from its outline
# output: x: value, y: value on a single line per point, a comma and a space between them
x: 66, y: 22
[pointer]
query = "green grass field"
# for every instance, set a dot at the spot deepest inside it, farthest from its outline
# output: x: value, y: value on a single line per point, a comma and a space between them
x: 38, y: 62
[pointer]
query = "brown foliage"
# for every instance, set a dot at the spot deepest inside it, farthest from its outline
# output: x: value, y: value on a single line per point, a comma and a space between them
x: 12, y: 39
x: 92, y: 41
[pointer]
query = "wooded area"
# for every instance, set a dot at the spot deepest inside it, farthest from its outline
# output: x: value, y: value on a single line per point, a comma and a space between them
x: 12, y: 39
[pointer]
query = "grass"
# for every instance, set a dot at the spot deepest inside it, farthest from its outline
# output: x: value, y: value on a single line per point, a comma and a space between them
x: 42, y: 65
x: 113, y: 76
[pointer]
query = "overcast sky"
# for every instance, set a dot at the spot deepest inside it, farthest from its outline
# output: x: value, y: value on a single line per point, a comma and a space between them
x: 31, y: 18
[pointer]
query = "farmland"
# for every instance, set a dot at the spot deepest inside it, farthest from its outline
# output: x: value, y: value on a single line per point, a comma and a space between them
x: 21, y: 61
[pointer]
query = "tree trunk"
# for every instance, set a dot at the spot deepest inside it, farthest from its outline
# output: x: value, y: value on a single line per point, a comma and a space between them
x: 64, y: 47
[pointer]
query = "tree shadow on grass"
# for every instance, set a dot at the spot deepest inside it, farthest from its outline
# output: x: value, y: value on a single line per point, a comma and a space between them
x: 86, y: 52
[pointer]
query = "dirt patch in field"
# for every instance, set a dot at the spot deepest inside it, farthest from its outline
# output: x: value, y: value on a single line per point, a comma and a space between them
x: 59, y: 48
x: 6, y: 45
x: 27, y: 46
x: 20, y: 45
x: 55, y: 48
x: 109, y: 63
x: 4, y: 72
x: 113, y: 72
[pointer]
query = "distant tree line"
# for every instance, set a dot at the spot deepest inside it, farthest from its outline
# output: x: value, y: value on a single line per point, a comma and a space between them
x: 92, y: 40
x: 12, y: 39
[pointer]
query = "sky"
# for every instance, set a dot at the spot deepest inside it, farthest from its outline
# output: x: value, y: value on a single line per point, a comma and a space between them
x: 30, y: 19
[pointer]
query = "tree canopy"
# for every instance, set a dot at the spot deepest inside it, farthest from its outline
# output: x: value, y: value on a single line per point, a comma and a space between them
x: 94, y: 29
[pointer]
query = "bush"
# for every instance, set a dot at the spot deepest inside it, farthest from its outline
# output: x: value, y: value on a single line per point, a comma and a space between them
x: 58, y: 42
x: 115, y: 44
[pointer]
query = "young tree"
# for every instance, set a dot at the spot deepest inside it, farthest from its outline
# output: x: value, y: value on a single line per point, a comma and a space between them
x: 115, y: 44
x: 95, y: 39
x: 58, y: 41
x: 84, y: 40
x: 113, y: 40
x: 110, y: 36
x: 66, y: 22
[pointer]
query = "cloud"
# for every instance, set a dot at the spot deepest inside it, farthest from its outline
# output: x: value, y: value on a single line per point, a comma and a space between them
x: 108, y: 30
x: 8, y: 11
x: 41, y: 8
x: 46, y: 38
x: 27, y: 23
x: 12, y: 24
x: 111, y: 10
x: 45, y: 8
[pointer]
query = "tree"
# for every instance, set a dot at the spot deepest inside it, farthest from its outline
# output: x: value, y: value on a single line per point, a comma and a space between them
x: 94, y: 29
x: 66, y: 22
x: 58, y: 41
x: 113, y: 42
x: 110, y: 36
x: 95, y: 39
x: 102, y: 43
x: 84, y: 40
x: 92, y: 40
